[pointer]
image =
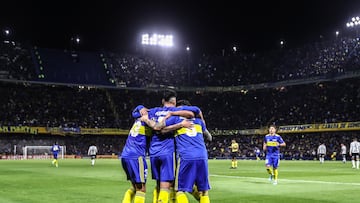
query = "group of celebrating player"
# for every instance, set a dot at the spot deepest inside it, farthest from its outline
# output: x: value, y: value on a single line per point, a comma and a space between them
x: 178, y: 155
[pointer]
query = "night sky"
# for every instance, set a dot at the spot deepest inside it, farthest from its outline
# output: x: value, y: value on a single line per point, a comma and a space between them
x: 116, y: 25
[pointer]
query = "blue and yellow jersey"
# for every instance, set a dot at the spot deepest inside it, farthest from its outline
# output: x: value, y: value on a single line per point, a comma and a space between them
x: 55, y: 149
x: 189, y: 141
x: 163, y: 144
x: 196, y: 110
x: 135, y: 145
x: 272, y: 144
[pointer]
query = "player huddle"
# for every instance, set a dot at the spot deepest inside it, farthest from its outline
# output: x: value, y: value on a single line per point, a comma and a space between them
x: 178, y: 155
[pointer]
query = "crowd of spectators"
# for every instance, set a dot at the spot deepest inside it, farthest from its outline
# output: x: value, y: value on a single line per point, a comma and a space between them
x: 56, y: 106
x: 27, y: 104
x: 323, y: 58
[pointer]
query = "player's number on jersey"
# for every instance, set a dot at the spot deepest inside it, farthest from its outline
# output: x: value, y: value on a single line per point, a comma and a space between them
x: 191, y: 132
x: 135, y: 129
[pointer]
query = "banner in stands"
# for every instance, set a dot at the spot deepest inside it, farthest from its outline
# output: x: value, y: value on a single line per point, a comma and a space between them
x: 324, y: 127
x: 304, y: 128
x: 18, y: 129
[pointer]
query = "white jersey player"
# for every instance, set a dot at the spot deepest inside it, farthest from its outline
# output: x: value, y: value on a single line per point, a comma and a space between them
x: 92, y: 153
x: 354, y: 153
x: 343, y: 153
x: 321, y: 152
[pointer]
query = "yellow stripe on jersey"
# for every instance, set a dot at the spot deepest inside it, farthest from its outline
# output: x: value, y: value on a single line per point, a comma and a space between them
x: 272, y: 144
x: 190, y: 131
x: 138, y: 128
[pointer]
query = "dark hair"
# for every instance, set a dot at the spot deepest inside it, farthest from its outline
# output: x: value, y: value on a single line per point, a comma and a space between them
x: 183, y: 102
x: 167, y: 95
x: 272, y: 125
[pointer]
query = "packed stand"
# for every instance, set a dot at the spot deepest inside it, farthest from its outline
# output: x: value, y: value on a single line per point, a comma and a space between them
x: 54, y: 106
x: 136, y: 70
x: 43, y: 105
x: 325, y: 58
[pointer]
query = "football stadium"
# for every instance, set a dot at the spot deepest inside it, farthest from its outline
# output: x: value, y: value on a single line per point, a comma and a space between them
x: 164, y: 117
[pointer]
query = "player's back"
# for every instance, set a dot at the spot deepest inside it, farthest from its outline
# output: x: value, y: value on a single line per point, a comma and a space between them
x: 322, y: 149
x: 92, y: 150
x: 190, y: 141
x: 161, y: 144
x: 355, y: 147
x: 343, y: 149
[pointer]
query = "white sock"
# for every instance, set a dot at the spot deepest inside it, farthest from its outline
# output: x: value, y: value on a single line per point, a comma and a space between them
x: 353, y: 163
x: 357, y: 164
x: 93, y: 162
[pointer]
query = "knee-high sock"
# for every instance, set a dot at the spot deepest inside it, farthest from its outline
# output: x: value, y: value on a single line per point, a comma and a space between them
x: 204, y: 199
x: 163, y: 196
x: 129, y: 195
x: 172, y: 196
x: 276, y: 174
x: 270, y: 171
x: 139, y: 197
x: 181, y: 198
x: 155, y: 195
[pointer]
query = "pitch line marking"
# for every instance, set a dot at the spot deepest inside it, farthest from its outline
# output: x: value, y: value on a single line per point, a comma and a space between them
x: 288, y: 180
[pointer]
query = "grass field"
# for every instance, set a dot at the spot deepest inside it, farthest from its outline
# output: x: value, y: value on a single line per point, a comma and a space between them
x: 75, y: 181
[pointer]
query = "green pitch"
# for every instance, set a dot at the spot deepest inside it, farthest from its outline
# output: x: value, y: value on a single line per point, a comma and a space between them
x: 75, y: 181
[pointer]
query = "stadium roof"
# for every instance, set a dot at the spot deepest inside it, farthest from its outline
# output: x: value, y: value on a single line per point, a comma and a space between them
x: 203, y: 25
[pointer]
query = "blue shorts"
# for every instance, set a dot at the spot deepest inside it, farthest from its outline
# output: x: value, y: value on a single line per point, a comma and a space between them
x: 135, y: 169
x: 272, y: 161
x: 55, y: 156
x: 190, y: 172
x: 163, y: 168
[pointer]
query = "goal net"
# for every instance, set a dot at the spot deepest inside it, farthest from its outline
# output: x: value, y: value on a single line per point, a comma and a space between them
x: 42, y: 152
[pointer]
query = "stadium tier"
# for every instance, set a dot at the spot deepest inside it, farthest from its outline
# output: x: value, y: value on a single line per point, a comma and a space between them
x: 73, y: 67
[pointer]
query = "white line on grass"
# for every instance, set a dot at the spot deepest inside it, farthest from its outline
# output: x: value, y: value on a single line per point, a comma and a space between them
x: 288, y: 180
